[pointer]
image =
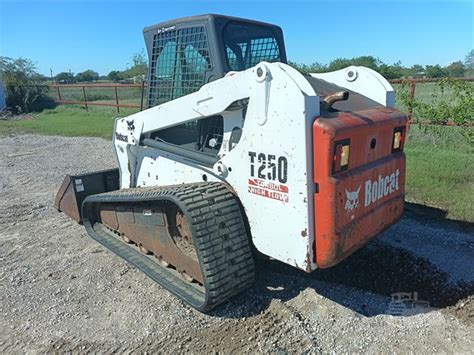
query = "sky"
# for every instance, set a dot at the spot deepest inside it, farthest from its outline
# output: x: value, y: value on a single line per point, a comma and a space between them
x: 103, y: 35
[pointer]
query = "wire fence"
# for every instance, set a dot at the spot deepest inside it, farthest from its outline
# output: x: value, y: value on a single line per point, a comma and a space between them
x: 111, y: 95
x: 132, y: 96
x: 436, y: 100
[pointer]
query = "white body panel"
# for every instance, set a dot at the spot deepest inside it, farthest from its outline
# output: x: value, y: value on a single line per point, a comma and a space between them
x: 277, y: 128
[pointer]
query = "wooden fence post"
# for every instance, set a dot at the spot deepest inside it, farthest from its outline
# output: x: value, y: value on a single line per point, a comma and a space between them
x: 59, y: 95
x: 143, y: 94
x: 412, y: 99
x: 85, y: 97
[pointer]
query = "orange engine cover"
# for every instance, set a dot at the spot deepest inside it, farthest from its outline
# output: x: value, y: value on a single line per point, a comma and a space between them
x: 354, y: 205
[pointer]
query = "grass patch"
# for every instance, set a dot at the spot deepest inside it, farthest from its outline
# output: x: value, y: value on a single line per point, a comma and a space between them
x: 440, y: 167
x: 70, y: 121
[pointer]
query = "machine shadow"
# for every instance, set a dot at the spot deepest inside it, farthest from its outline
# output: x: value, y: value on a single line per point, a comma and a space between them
x: 439, y: 215
x: 364, y: 282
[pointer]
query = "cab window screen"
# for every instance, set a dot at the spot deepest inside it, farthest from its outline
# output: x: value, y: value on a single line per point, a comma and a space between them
x: 178, y: 65
x: 247, y: 45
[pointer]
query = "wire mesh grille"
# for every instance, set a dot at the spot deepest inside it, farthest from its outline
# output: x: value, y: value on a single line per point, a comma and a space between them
x: 180, y: 59
x: 261, y: 49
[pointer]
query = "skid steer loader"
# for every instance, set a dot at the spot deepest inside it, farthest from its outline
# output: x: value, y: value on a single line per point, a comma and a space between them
x: 238, y: 149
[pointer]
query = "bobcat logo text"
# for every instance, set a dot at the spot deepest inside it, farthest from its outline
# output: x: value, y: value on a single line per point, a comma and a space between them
x: 374, y: 190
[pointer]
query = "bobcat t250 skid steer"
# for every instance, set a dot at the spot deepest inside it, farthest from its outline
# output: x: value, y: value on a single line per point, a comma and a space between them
x: 237, y: 149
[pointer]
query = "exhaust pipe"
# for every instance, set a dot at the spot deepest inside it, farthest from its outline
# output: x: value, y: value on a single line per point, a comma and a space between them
x: 333, y: 98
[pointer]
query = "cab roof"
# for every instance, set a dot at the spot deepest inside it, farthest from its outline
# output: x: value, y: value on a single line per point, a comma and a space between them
x: 205, y: 17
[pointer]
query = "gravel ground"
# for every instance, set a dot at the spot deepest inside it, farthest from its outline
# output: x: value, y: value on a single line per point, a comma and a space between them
x: 61, y: 291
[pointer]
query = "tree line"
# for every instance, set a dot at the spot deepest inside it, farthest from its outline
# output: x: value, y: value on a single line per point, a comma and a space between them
x: 396, y: 70
x: 21, y: 70
x: 136, y: 71
x: 25, y: 90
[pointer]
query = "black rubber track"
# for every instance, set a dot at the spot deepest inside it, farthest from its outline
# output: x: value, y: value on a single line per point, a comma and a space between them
x: 219, y: 235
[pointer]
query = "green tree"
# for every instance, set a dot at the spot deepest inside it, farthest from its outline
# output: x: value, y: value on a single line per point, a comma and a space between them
x: 39, y: 78
x: 20, y: 78
x: 317, y: 68
x: 312, y: 68
x: 87, y: 76
x: 298, y: 66
x: 17, y: 71
x: 415, y: 70
x: 456, y: 69
x: 339, y: 63
x: 393, y: 71
x: 115, y: 75
x: 469, y: 60
x: 64, y: 77
x: 139, y: 58
x: 435, y: 71
x: 138, y: 69
x: 367, y: 61
x: 364, y: 61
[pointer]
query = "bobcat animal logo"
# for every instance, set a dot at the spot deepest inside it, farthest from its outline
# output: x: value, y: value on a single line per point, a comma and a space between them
x: 131, y: 126
x: 352, y: 201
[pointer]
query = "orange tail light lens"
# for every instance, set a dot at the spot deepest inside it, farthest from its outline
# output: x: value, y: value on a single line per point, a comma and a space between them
x: 398, y: 139
x: 341, y: 156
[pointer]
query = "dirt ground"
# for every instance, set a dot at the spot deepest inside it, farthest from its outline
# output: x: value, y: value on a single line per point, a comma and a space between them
x: 61, y: 291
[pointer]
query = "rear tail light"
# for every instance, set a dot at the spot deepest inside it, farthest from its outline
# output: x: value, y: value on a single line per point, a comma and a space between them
x: 398, y: 139
x: 341, y: 156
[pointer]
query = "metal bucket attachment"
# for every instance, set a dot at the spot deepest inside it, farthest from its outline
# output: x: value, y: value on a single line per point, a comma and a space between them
x: 75, y: 188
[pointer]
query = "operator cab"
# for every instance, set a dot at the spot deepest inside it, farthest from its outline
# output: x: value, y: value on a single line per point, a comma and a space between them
x: 186, y: 53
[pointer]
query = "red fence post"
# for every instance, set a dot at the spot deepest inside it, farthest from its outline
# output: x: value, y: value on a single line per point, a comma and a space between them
x: 116, y: 99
